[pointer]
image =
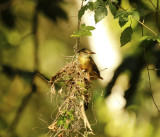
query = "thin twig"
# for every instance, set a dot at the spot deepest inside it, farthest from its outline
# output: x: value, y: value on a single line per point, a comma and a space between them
x: 76, y: 47
x: 149, y: 80
x: 58, y: 132
x: 150, y: 87
x: 142, y: 23
x: 80, y: 133
x: 157, y: 15
x: 145, y: 26
x: 152, y: 4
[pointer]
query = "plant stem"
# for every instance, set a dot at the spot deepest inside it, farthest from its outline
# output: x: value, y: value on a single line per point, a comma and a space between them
x: 150, y: 87
x: 145, y: 26
x: 157, y: 15
x: 152, y: 4
x: 76, y: 47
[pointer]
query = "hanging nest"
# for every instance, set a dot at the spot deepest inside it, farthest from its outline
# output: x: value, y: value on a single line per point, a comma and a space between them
x: 71, y: 118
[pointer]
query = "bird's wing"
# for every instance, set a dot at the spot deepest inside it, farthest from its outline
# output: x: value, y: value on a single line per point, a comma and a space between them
x: 95, y: 68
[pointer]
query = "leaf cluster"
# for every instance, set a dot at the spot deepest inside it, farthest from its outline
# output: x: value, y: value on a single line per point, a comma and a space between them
x: 83, y: 31
x: 98, y: 7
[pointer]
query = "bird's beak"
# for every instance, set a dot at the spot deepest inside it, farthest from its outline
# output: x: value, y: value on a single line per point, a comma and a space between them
x: 92, y: 52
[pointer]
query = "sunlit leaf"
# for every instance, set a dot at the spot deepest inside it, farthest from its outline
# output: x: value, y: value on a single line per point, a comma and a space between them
x: 90, y: 28
x: 91, y: 6
x: 158, y: 38
x: 100, y: 13
x: 120, y: 14
x: 83, y: 31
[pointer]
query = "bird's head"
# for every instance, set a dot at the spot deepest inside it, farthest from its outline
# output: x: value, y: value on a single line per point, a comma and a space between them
x: 85, y: 53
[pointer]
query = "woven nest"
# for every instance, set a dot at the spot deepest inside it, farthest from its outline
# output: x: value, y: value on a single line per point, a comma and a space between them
x: 71, y: 118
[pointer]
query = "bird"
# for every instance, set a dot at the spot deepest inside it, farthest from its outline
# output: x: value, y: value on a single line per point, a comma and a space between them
x: 87, y: 64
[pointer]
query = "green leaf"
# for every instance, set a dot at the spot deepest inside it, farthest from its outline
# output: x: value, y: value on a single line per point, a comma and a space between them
x: 158, y: 38
x: 83, y: 25
x: 82, y: 11
x: 122, y: 21
x: 66, y: 126
x: 146, y: 41
x: 98, y: 4
x: 90, y: 28
x: 100, y: 13
x: 123, y: 16
x: 83, y: 31
x: 4, y: 41
x: 113, y: 9
x: 126, y: 36
x: 91, y: 6
x: 120, y: 14
x: 61, y: 120
x: 153, y: 38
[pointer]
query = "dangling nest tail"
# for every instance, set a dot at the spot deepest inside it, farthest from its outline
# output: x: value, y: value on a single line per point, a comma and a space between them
x: 71, y: 118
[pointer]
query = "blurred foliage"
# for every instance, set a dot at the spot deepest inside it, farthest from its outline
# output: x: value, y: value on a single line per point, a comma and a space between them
x: 31, y: 40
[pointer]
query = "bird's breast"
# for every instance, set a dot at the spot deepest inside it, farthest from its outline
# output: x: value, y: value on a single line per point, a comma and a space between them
x: 86, y: 64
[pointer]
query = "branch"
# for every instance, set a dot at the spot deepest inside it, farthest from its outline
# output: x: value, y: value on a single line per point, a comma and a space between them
x: 152, y: 4
x: 150, y: 87
x: 76, y: 47
x: 157, y: 15
x: 145, y: 26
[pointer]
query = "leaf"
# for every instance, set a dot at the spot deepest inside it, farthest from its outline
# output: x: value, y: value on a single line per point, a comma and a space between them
x: 123, y: 16
x: 100, y: 13
x: 122, y: 21
x: 90, y: 28
x: 134, y: 13
x: 4, y: 40
x: 83, y: 25
x: 153, y: 38
x: 126, y: 36
x: 120, y: 14
x: 113, y: 9
x: 91, y: 6
x: 146, y: 41
x: 82, y: 11
x: 83, y: 31
x: 158, y: 38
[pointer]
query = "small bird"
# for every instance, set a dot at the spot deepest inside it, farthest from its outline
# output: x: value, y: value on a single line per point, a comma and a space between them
x: 86, y: 63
